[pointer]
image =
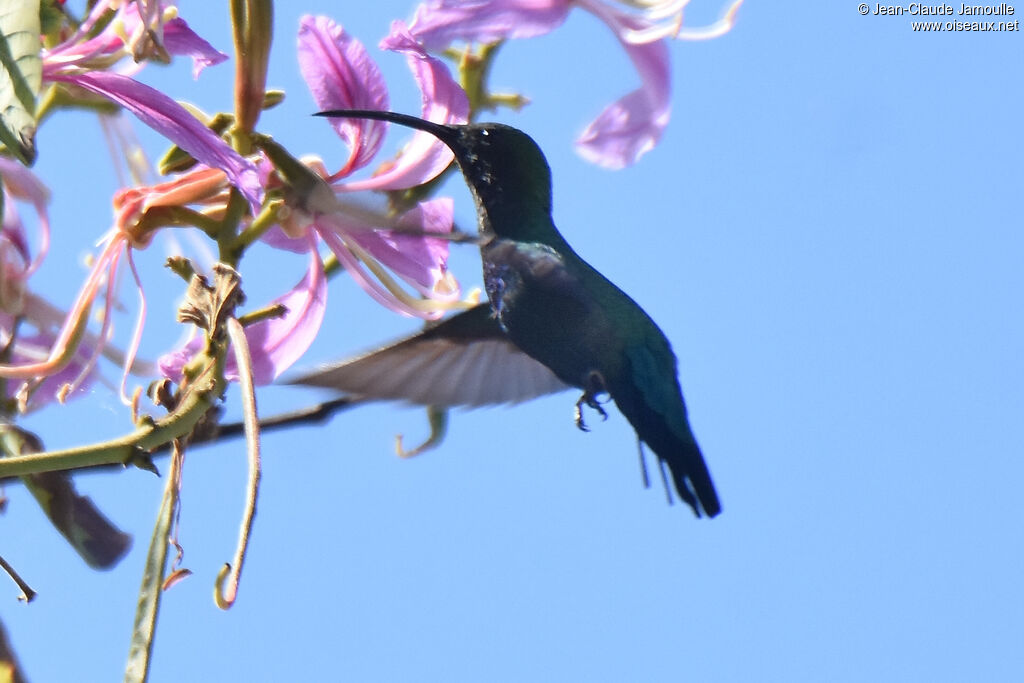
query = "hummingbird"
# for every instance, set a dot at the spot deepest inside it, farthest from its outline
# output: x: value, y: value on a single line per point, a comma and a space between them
x: 551, y: 321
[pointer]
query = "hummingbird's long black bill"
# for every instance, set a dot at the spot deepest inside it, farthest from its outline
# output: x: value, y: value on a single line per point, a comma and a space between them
x: 445, y: 134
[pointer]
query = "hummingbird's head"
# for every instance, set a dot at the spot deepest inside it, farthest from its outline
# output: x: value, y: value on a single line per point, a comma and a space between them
x: 504, y: 167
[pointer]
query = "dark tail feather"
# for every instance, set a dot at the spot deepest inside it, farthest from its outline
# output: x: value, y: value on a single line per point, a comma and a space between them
x: 693, y: 482
x: 676, y: 447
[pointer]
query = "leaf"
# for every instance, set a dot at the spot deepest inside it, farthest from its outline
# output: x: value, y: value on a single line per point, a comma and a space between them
x: 90, y: 533
x: 76, y: 517
x: 10, y: 672
x: 21, y: 76
x: 144, y: 630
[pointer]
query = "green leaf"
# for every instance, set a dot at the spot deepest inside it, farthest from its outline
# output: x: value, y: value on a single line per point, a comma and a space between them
x: 90, y: 533
x: 94, y: 537
x: 51, y: 16
x: 144, y: 631
x: 21, y: 76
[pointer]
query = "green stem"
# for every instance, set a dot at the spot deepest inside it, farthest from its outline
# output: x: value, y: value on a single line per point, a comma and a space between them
x: 266, y: 313
x: 178, y: 217
x: 256, y: 229
x: 230, y: 253
x: 126, y: 449
x: 332, y: 265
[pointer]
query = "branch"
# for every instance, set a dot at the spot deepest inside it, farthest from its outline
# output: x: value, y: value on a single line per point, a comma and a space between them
x: 210, y: 435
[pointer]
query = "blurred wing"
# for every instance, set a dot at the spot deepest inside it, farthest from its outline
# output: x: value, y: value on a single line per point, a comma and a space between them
x: 465, y: 360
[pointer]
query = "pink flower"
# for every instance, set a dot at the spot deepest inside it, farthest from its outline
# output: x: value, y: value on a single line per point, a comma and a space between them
x: 154, y: 32
x: 44, y: 358
x: 63, y: 348
x: 340, y: 73
x: 630, y: 126
x: 86, y: 63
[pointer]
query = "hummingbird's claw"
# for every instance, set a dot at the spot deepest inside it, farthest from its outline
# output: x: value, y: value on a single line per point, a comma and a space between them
x: 578, y: 412
x: 594, y: 386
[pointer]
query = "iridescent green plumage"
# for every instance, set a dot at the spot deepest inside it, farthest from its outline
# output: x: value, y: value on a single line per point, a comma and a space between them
x: 552, y: 305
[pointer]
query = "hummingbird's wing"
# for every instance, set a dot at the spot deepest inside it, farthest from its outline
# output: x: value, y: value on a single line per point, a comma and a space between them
x: 465, y: 360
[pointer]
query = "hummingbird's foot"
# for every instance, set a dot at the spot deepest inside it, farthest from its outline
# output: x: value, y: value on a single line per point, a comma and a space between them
x: 593, y: 387
x: 578, y: 415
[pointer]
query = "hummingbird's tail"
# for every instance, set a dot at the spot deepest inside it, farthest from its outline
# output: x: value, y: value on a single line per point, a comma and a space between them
x: 685, y: 463
x: 662, y: 425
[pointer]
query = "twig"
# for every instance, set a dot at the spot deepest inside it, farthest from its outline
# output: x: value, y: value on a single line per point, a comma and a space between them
x: 212, y: 435
x: 27, y: 594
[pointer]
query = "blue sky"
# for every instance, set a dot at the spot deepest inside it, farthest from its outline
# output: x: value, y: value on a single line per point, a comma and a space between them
x: 829, y: 234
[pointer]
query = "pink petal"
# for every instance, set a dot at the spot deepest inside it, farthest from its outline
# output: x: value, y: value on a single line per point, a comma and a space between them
x: 443, y: 101
x: 276, y: 344
x: 341, y: 75
x: 377, y: 291
x: 21, y: 183
x: 439, y: 22
x: 74, y: 49
x: 13, y: 238
x: 420, y: 261
x: 179, y: 39
x: 633, y: 124
x: 171, y: 363
x: 30, y: 348
x: 278, y: 239
x: 170, y: 119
